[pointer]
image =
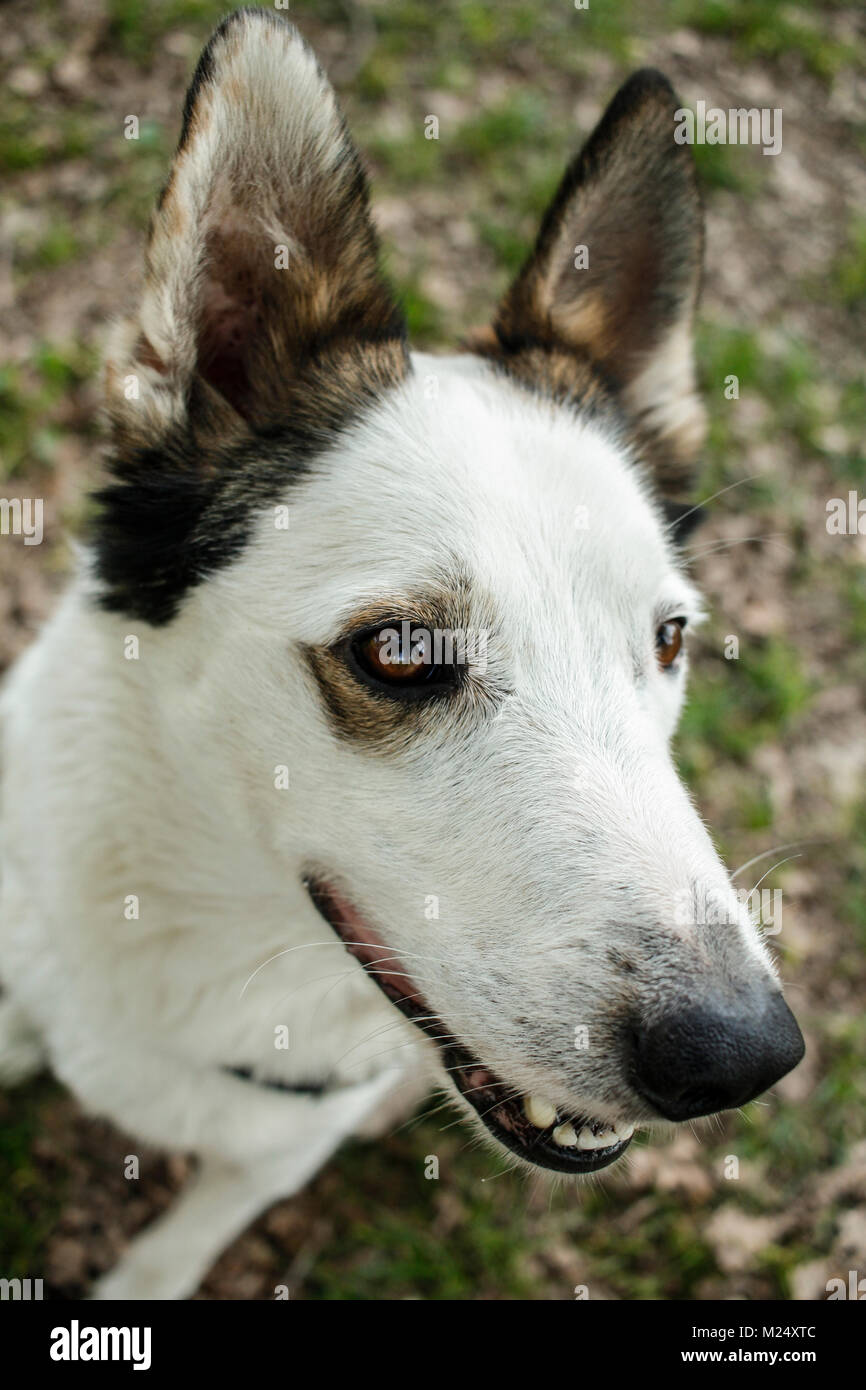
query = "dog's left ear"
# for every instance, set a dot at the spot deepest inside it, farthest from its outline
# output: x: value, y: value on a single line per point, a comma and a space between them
x: 614, y: 275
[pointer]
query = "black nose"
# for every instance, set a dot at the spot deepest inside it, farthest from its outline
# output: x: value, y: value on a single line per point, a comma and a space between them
x: 715, y: 1057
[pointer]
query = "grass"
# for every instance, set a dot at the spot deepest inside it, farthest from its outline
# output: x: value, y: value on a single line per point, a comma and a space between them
x: 464, y: 1237
x: 390, y: 1256
x: 136, y: 26
x: 405, y: 162
x: 851, y: 583
x: 851, y: 899
x: 729, y: 167
x: 848, y: 273
x: 30, y: 1197
x: 796, y: 1141
x: 774, y: 365
x: 501, y: 129
x: 736, y: 705
x: 31, y: 138
x: 56, y: 247
x: 803, y: 408
x: 773, y: 30
x: 423, y: 317
x: 32, y: 395
x: 508, y: 247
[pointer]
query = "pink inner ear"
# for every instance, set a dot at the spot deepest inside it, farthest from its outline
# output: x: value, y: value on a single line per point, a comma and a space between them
x: 223, y: 352
x: 232, y: 303
x: 229, y: 321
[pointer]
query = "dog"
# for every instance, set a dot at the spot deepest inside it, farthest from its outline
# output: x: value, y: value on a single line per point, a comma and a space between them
x: 342, y: 771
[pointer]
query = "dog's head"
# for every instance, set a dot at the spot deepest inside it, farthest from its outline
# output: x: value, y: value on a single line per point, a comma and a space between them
x: 445, y: 594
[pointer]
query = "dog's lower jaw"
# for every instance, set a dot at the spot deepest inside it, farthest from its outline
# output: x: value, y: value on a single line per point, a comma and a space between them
x: 532, y: 1129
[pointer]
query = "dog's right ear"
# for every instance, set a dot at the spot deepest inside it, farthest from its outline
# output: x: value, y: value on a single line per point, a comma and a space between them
x: 263, y: 304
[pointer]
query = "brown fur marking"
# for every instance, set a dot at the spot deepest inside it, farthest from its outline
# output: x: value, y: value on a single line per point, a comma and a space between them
x: 377, y: 721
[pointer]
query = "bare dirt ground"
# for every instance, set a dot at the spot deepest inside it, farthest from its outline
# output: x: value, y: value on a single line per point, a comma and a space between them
x: 774, y: 742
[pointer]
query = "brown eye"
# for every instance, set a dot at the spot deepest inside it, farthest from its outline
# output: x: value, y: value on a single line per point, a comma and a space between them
x: 669, y: 640
x: 392, y: 656
x: 402, y: 660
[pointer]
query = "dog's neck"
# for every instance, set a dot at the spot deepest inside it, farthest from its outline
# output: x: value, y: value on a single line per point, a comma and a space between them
x: 152, y: 813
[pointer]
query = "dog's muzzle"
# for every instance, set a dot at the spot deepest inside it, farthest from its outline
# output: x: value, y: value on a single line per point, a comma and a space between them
x: 529, y: 1126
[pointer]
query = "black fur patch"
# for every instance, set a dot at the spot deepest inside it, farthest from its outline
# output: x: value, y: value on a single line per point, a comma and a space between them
x: 168, y: 518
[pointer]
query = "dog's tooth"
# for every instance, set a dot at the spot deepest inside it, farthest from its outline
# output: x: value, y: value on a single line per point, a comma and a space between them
x: 605, y: 1138
x: 539, y: 1111
x: 565, y: 1136
x: 587, y: 1140
x: 623, y: 1131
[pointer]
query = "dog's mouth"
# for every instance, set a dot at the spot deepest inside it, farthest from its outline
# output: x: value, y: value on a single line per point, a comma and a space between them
x: 529, y: 1125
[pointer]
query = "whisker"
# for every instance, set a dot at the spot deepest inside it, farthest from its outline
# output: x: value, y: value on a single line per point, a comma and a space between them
x: 344, y: 975
x: 707, y: 500
x: 518, y: 1095
x: 778, y: 864
x: 410, y: 1042
x: 414, y: 1121
x: 714, y: 546
x: 503, y: 1172
x: 337, y: 976
x: 425, y: 1018
x: 338, y: 941
x: 775, y: 849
